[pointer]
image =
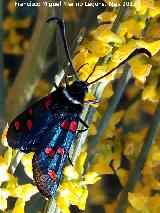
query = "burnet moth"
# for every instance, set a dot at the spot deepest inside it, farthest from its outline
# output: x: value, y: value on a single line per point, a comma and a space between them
x: 48, y: 128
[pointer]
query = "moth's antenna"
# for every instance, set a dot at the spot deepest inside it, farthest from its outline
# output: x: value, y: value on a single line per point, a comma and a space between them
x: 81, y: 67
x: 60, y: 22
x: 94, y: 68
x: 133, y: 54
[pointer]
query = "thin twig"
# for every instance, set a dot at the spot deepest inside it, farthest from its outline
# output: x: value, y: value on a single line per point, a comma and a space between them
x: 136, y: 172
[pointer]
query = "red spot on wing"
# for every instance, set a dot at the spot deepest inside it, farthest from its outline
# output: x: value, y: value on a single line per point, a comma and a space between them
x: 73, y: 126
x: 30, y: 111
x: 17, y: 125
x: 50, y: 152
x: 48, y: 103
x: 65, y: 124
x: 52, y: 174
x: 29, y: 124
x: 60, y: 151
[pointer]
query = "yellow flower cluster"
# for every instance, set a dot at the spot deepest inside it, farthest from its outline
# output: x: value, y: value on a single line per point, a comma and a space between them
x: 14, y: 43
x: 11, y: 188
x: 73, y: 189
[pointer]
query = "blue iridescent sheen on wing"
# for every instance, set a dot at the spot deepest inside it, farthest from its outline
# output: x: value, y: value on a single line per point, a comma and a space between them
x: 26, y: 130
x: 48, y: 161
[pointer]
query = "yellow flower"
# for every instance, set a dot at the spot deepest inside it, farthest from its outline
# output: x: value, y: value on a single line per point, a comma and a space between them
x: 132, y: 26
x: 139, y: 70
x: 154, y: 31
x: 25, y: 191
x: 90, y: 96
x: 4, y: 164
x: 98, y: 48
x: 142, y: 5
x: 14, y: 42
x: 151, y: 181
x: 91, y: 178
x: 73, y: 190
x: 153, y: 47
x: 27, y: 163
x: 138, y: 201
x: 133, y: 113
x: 63, y: 205
x: 102, y: 33
x: 105, y: 155
x: 4, y: 138
x: 115, y: 119
x: 28, y: 190
x: 80, y: 162
x: 154, y: 203
x: 11, y: 6
x: 152, y: 12
x: 153, y: 158
x: 150, y: 92
x: 10, y: 24
x: 3, y: 200
x: 122, y: 175
x: 106, y: 16
x: 123, y: 52
x: 70, y: 172
x: 19, y: 206
x: 102, y: 70
x: 133, y: 143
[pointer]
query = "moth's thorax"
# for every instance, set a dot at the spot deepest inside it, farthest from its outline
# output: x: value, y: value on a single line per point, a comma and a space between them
x: 76, y: 92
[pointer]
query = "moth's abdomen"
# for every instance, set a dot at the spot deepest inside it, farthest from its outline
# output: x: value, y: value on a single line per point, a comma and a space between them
x: 47, y: 169
x: 50, y: 159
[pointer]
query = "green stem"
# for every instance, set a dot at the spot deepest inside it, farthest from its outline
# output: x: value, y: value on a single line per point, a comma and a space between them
x: 136, y: 172
x: 121, y: 14
x: 51, y: 206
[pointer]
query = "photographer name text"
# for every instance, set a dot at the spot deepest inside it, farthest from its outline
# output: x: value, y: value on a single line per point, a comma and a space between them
x: 75, y: 4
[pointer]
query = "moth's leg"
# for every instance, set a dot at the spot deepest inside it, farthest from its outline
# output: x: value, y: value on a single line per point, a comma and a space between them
x: 70, y: 160
x: 91, y: 102
x: 84, y: 123
x: 82, y: 130
x: 54, y: 84
x: 68, y: 78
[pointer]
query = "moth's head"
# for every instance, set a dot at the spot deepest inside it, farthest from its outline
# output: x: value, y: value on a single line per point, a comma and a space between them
x: 77, y: 90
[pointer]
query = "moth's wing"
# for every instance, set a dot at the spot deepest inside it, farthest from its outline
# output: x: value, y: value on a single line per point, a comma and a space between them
x: 26, y: 130
x: 48, y: 161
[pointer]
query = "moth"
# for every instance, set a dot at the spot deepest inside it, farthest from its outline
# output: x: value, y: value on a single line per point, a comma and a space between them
x: 48, y: 128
